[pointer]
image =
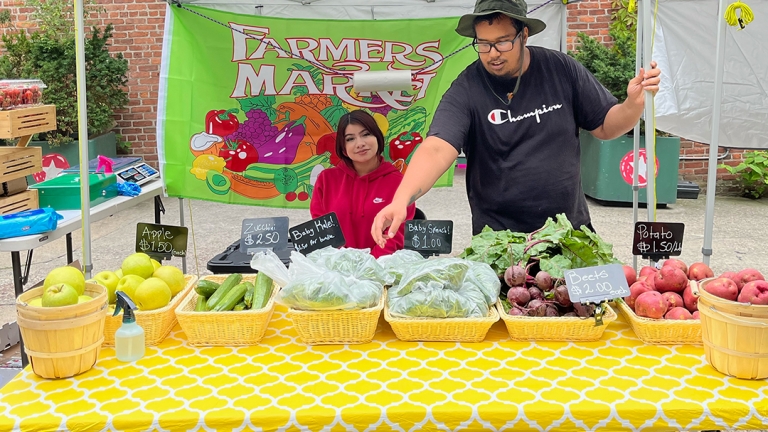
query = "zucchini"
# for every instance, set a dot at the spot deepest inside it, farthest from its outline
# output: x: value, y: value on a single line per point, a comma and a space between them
x: 231, y: 298
x: 240, y: 306
x: 249, y: 295
x: 201, y: 306
x: 230, y: 282
x: 262, y: 291
x: 206, y: 288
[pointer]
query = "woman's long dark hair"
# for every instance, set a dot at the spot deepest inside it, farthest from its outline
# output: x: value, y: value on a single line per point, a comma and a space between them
x: 362, y: 118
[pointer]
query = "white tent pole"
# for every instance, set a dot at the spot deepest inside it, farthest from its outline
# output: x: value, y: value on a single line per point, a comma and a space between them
x: 709, y: 215
x: 636, y: 135
x: 82, y: 126
x: 564, y: 28
x: 650, y: 132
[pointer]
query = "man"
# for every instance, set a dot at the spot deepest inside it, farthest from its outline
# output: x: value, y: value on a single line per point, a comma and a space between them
x: 516, y: 113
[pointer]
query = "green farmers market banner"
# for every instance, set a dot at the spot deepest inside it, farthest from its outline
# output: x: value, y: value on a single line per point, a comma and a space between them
x: 243, y: 122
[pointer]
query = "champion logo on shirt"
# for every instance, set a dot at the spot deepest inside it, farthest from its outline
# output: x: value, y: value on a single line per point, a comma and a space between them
x: 378, y: 200
x: 499, y: 116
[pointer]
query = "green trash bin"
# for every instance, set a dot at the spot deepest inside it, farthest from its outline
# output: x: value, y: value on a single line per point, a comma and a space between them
x: 607, y: 168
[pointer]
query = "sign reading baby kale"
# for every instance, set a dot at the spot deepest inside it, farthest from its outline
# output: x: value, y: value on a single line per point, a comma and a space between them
x: 258, y: 127
x: 317, y: 233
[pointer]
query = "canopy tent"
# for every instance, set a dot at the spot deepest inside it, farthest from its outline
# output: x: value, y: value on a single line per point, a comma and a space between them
x: 549, y: 11
x: 714, y: 85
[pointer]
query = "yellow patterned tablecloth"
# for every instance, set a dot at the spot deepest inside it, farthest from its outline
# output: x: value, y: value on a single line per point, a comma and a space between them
x: 617, y: 383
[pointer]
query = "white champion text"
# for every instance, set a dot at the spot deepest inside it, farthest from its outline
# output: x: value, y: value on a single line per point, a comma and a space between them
x: 499, y: 116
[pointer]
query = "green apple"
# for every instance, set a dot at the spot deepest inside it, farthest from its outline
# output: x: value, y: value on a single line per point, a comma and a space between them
x: 60, y: 295
x: 173, y: 277
x: 152, y: 294
x: 155, y: 263
x: 36, y: 302
x: 66, y: 275
x: 138, y: 264
x: 128, y: 285
x: 119, y: 273
x: 109, y: 280
x: 84, y: 298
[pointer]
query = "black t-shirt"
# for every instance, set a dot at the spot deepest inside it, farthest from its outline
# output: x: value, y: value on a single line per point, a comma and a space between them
x: 523, y: 159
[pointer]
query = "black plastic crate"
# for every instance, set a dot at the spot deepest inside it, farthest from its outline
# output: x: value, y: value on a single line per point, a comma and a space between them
x: 234, y: 261
x: 687, y: 190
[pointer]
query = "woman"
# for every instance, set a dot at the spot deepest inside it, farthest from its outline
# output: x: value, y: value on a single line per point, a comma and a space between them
x: 360, y: 185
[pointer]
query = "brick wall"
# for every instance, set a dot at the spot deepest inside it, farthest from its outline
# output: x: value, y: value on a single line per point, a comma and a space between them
x: 139, y: 32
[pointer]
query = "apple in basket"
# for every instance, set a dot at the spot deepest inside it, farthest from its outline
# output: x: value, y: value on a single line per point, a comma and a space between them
x: 60, y: 295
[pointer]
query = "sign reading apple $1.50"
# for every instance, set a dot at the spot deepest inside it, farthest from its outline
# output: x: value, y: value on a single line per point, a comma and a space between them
x: 165, y: 240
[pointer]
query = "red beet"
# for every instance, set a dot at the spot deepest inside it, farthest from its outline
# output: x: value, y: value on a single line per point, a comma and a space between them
x: 552, y: 311
x: 544, y: 281
x: 535, y: 293
x: 514, y: 276
x: 537, y: 308
x: 561, y: 296
x: 584, y: 311
x: 518, y: 295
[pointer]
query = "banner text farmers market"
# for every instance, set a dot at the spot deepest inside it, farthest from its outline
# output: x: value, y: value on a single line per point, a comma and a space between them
x: 350, y: 54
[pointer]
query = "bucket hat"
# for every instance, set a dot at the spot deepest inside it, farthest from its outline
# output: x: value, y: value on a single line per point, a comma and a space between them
x: 516, y: 9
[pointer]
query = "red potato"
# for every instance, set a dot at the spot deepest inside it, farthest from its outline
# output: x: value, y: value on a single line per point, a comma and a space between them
x: 677, y: 263
x: 747, y: 275
x: 648, y: 280
x: 648, y: 271
x: 678, y: 313
x: 670, y: 278
x: 635, y: 290
x: 673, y: 300
x: 755, y: 292
x: 730, y: 275
x: 698, y: 271
x: 651, y: 304
x: 691, y: 301
x: 695, y: 315
x: 723, y: 288
x: 630, y: 274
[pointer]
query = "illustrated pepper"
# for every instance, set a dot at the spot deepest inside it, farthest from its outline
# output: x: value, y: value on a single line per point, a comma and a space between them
x: 281, y: 150
x: 327, y: 143
x: 221, y: 122
x: 239, y: 154
x: 403, y: 145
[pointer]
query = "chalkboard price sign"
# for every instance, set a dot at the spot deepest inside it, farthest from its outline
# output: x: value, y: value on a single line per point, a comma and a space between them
x: 658, y: 239
x: 596, y: 284
x: 161, y: 240
x: 433, y: 236
x: 317, y: 233
x: 264, y: 233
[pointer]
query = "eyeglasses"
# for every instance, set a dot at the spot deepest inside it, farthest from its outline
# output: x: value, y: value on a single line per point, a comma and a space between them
x: 503, y: 46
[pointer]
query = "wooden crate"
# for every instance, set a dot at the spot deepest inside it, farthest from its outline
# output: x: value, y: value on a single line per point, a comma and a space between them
x: 18, y: 162
x: 25, y: 122
x: 26, y: 200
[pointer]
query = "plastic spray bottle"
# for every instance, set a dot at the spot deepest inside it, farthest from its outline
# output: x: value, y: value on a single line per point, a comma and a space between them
x: 129, y: 338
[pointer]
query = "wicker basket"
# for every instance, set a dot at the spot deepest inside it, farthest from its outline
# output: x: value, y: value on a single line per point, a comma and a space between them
x: 157, y: 324
x: 563, y: 329
x: 441, y: 329
x: 62, y: 342
x: 661, y: 331
x: 229, y: 328
x: 337, y: 327
x: 735, y: 335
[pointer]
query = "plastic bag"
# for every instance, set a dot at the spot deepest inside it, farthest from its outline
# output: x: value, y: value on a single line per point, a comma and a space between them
x: 29, y: 222
x: 308, y: 285
x: 269, y: 263
x: 449, y: 272
x: 352, y: 262
x: 432, y: 300
x: 481, y: 276
x: 395, y: 264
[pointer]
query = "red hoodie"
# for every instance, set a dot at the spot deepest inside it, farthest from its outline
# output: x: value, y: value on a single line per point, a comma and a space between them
x: 357, y: 200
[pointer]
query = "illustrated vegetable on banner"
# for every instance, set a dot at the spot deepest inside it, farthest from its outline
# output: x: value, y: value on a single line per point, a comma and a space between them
x: 245, y: 123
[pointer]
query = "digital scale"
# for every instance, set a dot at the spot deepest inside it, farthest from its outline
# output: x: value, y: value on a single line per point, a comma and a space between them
x: 127, y: 169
